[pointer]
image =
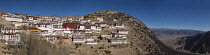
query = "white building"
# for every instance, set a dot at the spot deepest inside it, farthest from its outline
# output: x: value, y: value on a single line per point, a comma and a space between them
x: 119, y: 35
x: 44, y: 26
x: 100, y: 19
x: 59, y: 32
x: 50, y: 38
x: 119, y: 38
x: 84, y: 21
x: 88, y: 31
x: 123, y: 31
x: 43, y: 33
x: 111, y: 26
x: 5, y: 15
x: 68, y: 31
x: 98, y: 28
x: 107, y: 36
x: 81, y: 27
x: 13, y: 19
x: 94, y: 21
x: 78, y: 38
x: 103, y: 25
x: 10, y: 36
x: 118, y: 41
x: 119, y: 25
x: 20, y: 23
x: 90, y: 42
x: 11, y: 30
x: 93, y: 27
x: 2, y: 27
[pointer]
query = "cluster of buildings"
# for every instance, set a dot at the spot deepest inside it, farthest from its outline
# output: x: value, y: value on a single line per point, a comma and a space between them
x: 9, y: 34
x: 78, y: 29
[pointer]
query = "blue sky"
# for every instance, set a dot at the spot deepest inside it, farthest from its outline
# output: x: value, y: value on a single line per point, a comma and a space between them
x: 176, y: 14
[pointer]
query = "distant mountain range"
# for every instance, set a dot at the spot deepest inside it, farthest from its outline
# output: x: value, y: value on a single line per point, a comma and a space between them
x: 170, y: 32
x: 170, y: 36
x: 199, y: 43
x: 194, y: 41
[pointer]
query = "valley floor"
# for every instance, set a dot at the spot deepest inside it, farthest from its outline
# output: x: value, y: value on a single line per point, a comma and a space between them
x: 171, y: 40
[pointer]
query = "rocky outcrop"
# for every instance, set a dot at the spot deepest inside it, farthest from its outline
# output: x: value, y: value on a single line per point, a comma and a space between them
x: 142, y: 39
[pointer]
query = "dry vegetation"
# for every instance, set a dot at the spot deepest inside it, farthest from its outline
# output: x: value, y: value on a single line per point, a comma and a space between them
x: 2, y: 49
x: 33, y: 45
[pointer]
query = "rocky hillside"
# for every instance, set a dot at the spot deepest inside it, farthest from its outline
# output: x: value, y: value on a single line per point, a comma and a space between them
x: 143, y: 41
x: 169, y: 36
x: 4, y: 22
x: 2, y: 12
x: 166, y: 31
x: 199, y: 43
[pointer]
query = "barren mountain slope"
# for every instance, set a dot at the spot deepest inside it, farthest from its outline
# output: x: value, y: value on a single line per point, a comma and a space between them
x: 198, y: 43
x: 2, y: 12
x: 6, y: 23
x: 169, y: 36
x: 142, y: 39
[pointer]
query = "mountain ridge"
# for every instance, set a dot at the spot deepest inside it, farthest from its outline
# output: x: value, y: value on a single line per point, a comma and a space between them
x: 198, y: 43
x: 168, y: 31
x: 141, y: 38
x: 169, y: 36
